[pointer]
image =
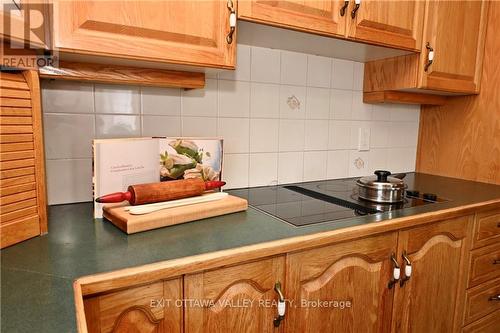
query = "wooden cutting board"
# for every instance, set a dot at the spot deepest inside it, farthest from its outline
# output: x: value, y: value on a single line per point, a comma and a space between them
x: 130, y: 224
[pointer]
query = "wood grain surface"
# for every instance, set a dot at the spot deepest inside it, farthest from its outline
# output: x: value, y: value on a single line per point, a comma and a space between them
x: 81, y: 71
x: 462, y: 138
x: 135, y: 223
x: 166, y: 191
x: 22, y: 166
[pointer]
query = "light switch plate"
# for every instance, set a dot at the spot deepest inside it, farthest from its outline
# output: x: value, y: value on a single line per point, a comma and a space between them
x: 363, y: 139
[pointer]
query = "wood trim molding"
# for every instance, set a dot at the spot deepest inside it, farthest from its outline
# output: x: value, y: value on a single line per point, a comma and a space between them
x: 392, y: 96
x: 103, y: 73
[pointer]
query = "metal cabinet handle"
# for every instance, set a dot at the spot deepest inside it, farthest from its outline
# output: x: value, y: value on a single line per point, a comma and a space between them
x: 430, y: 56
x: 356, y: 7
x: 396, y: 272
x: 281, y: 305
x: 494, y: 298
x: 344, y: 7
x: 408, y: 269
x: 496, y: 262
x: 232, y: 21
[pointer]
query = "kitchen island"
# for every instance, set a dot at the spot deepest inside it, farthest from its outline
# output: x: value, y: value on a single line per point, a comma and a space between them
x: 37, y: 275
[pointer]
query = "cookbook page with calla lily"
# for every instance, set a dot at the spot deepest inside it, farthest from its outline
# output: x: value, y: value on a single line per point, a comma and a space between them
x: 184, y: 158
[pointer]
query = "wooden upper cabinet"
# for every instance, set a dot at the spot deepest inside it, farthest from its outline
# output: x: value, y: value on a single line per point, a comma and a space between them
x: 185, y: 32
x: 392, y: 23
x: 321, y: 17
x: 236, y: 299
x: 432, y: 299
x: 356, y: 272
x: 456, y: 32
x: 150, y: 308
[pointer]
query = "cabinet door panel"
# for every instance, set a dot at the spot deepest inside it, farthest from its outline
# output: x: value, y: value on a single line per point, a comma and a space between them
x: 430, y: 300
x: 357, y: 272
x: 234, y: 297
x: 149, y: 308
x: 456, y: 32
x: 322, y: 17
x: 392, y: 23
x: 188, y: 32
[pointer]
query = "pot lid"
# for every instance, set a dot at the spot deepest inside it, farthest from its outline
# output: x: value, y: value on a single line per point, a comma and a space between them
x: 382, y: 181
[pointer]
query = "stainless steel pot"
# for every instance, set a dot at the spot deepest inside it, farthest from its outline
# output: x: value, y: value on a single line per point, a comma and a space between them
x: 382, y: 188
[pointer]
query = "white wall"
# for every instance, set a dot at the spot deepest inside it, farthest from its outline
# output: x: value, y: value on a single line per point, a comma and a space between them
x: 266, y: 141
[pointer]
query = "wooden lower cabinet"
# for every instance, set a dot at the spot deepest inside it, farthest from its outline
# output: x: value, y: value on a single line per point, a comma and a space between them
x: 147, y: 309
x: 237, y: 298
x: 431, y: 300
x: 341, y: 288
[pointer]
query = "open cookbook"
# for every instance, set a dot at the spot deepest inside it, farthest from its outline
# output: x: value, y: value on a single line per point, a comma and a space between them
x: 118, y: 163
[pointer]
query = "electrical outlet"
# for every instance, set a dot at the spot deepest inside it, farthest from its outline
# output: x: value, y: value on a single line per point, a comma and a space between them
x: 363, y: 139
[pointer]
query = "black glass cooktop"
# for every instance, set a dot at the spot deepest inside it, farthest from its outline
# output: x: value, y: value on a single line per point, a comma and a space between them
x: 319, y: 201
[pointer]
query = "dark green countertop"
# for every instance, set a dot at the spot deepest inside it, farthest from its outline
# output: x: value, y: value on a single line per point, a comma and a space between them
x: 37, y: 275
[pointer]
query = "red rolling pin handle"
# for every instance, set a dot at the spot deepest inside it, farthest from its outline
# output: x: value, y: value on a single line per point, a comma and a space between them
x: 114, y: 197
x: 171, y: 191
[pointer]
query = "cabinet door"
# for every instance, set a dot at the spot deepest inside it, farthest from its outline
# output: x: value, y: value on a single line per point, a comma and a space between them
x: 432, y: 299
x: 153, y: 308
x: 322, y: 17
x: 321, y: 282
x: 392, y: 23
x: 233, y: 299
x: 186, y: 32
x: 456, y: 31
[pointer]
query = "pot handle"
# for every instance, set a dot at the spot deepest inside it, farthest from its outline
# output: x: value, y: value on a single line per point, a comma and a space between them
x: 382, y: 175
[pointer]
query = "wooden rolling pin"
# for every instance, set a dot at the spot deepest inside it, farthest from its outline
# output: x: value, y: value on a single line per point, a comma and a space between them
x: 163, y: 191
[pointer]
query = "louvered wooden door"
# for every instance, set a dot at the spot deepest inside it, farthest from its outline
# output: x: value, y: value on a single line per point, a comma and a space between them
x: 22, y: 174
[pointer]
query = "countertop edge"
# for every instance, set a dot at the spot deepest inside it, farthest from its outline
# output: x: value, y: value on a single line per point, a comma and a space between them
x: 132, y: 276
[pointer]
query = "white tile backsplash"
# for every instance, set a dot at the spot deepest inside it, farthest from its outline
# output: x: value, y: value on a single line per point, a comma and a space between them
x: 293, y: 68
x: 292, y: 102
x: 290, y: 167
x: 68, y: 135
x: 265, y: 65
x: 264, y: 135
x: 235, y: 132
x: 317, y: 103
x: 69, y: 181
x: 161, y: 101
x: 235, y: 170
x: 291, y: 135
x: 201, y: 102
x: 315, y: 163
x: 264, y: 100
x: 116, y: 99
x: 342, y: 74
x: 340, y: 104
x: 319, y: 71
x: 199, y: 126
x: 117, y: 126
x: 316, y: 135
x: 161, y: 126
x: 268, y: 138
x: 64, y: 97
x: 234, y: 99
x: 263, y: 169
x: 337, y: 164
